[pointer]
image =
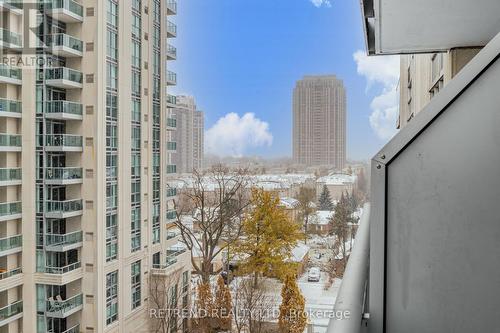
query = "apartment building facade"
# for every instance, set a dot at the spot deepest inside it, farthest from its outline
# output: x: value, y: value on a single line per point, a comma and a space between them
x: 319, y: 122
x: 85, y: 130
x: 422, y: 76
x: 189, y: 135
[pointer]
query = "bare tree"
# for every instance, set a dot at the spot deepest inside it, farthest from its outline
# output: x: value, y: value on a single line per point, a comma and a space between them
x: 305, y: 197
x: 168, y: 298
x: 216, y: 199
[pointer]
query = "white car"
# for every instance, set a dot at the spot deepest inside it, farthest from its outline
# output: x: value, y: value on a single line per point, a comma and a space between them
x: 314, y: 274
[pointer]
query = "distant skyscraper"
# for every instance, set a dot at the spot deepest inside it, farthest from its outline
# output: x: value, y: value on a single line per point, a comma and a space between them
x: 319, y: 121
x: 189, y: 135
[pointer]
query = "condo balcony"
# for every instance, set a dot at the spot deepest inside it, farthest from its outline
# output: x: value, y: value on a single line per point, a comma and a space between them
x: 171, y: 146
x: 10, y: 108
x: 10, y: 210
x: 67, y: 11
x: 171, y: 100
x: 63, y: 270
x: 175, y: 254
x: 171, y: 215
x: 10, y: 142
x: 11, y: 75
x: 63, y: 176
x: 171, y: 123
x: 64, y: 242
x: 171, y: 29
x: 10, y: 40
x: 64, y: 45
x: 10, y: 176
x: 14, y: 6
x: 63, y: 77
x: 59, y: 308
x: 171, y: 7
x: 171, y: 52
x: 11, y: 278
x: 171, y: 78
x: 74, y: 329
x: 63, y: 142
x: 11, y: 312
x: 63, y: 209
x: 63, y: 110
x: 10, y: 245
x: 11, y: 273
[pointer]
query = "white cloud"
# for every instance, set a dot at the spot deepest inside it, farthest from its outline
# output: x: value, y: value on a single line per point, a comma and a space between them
x: 232, y: 135
x: 319, y: 3
x: 382, y: 70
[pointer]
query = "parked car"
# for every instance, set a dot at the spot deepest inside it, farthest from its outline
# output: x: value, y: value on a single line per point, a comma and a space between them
x: 314, y: 274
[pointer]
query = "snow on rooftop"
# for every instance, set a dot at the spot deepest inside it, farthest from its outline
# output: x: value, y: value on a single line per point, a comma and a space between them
x: 337, y: 179
x: 321, y: 217
x: 299, y: 252
x: 289, y: 203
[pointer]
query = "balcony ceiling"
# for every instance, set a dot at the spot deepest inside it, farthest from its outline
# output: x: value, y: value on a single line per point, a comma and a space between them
x: 425, y: 26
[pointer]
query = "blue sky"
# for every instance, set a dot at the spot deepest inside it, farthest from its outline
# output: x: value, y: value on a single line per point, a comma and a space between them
x: 244, y: 56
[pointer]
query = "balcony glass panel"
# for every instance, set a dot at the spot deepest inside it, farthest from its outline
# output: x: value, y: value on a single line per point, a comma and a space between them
x: 63, y: 173
x: 10, y: 174
x: 10, y: 140
x: 63, y: 270
x: 14, y: 3
x: 172, y: 5
x: 171, y: 27
x: 64, y: 239
x: 171, y: 122
x: 171, y: 76
x: 8, y: 105
x: 65, y: 305
x: 63, y: 73
x: 63, y: 140
x: 10, y: 72
x: 64, y: 40
x: 171, y: 99
x: 10, y: 37
x: 64, y: 206
x: 10, y: 273
x: 10, y: 243
x: 64, y: 107
x: 70, y: 5
x: 10, y: 208
x: 11, y: 310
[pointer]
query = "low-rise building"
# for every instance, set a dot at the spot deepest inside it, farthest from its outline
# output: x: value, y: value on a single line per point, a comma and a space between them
x: 337, y: 183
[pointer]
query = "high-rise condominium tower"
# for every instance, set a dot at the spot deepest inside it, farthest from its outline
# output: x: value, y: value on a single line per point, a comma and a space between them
x: 84, y: 163
x: 319, y: 122
x: 189, y: 135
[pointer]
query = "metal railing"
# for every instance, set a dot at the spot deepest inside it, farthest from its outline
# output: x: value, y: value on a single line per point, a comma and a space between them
x: 9, y: 105
x: 11, y: 310
x: 64, y: 305
x: 63, y: 140
x: 64, y: 269
x: 352, y: 292
x: 10, y: 243
x: 64, y: 239
x: 10, y: 174
x: 11, y: 72
x: 10, y: 208
x: 64, y: 206
x: 10, y: 140
x: 74, y: 329
x: 63, y: 73
x: 64, y: 40
x: 70, y: 5
x: 10, y: 273
x: 63, y: 173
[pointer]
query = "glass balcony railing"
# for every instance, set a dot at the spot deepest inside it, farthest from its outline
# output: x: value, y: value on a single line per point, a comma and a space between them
x: 64, y: 239
x: 172, y: 234
x: 171, y: 99
x: 64, y: 269
x: 171, y: 51
x: 9, y: 105
x: 10, y: 37
x: 63, y: 73
x: 10, y: 208
x: 10, y: 140
x: 64, y: 306
x: 12, y: 3
x: 11, y: 72
x: 171, y: 122
x: 11, y: 310
x: 171, y: 215
x: 10, y: 174
x: 171, y: 28
x: 171, y: 145
x: 67, y: 206
x: 63, y: 173
x: 10, y: 273
x: 171, y: 76
x: 64, y: 107
x: 63, y: 140
x: 171, y: 192
x: 111, y: 172
x: 69, y: 5
x: 10, y: 243
x: 74, y: 329
x: 64, y: 40
x: 172, y: 5
x: 171, y: 168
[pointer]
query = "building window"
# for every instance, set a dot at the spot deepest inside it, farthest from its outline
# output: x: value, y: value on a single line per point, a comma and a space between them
x: 111, y: 195
x: 135, y: 229
x: 136, y: 54
x: 112, y: 76
x: 112, y: 44
x: 136, y: 26
x: 136, y: 284
x: 112, y: 13
x: 437, y: 76
x: 111, y: 297
x: 156, y: 223
x: 111, y: 237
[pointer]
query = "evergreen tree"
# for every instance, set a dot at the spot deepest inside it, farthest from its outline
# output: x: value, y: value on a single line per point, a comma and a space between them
x: 292, y: 318
x: 222, y: 304
x: 268, y: 237
x: 339, y: 223
x: 325, y: 202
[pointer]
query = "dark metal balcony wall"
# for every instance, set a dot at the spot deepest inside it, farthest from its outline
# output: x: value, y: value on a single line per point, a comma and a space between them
x: 435, y: 222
